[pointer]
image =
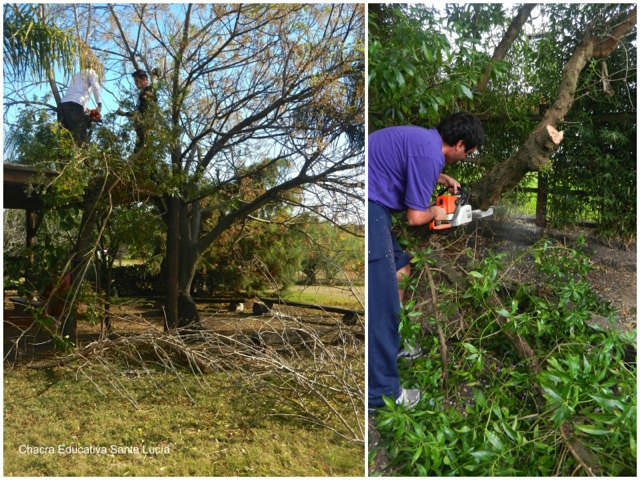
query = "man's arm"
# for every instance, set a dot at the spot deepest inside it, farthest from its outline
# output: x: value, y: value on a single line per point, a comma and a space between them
x: 452, y: 184
x: 95, y: 85
x: 422, y: 217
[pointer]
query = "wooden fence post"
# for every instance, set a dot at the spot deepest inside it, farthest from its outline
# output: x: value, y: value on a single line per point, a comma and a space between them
x: 541, y: 200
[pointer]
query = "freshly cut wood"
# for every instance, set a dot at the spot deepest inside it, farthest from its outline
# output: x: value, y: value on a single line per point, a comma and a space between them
x: 534, y: 155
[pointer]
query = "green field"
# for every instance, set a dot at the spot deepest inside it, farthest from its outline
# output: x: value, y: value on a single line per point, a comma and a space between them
x: 58, y: 425
x: 325, y: 295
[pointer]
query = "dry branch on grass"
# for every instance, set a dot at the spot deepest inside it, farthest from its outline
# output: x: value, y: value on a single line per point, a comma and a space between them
x: 314, y: 376
x: 441, y: 337
x: 319, y: 383
x: 587, y: 460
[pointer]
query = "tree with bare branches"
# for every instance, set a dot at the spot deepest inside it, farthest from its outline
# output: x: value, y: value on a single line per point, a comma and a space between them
x: 248, y: 89
x: 244, y: 92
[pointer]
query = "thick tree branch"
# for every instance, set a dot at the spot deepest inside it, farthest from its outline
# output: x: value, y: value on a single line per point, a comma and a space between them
x: 589, y: 49
x: 505, y: 44
x: 535, y: 153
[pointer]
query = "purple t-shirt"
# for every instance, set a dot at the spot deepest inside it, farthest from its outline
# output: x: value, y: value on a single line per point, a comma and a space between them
x: 403, y: 166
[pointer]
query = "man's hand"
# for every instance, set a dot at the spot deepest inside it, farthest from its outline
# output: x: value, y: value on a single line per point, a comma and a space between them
x: 452, y: 184
x: 421, y: 217
x: 439, y: 213
x: 120, y: 112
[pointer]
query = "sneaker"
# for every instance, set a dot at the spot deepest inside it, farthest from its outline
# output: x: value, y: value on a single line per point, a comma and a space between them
x: 408, y: 399
x: 410, y: 352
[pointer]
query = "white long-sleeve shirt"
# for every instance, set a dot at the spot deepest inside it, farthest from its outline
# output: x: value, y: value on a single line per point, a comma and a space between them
x: 83, y: 83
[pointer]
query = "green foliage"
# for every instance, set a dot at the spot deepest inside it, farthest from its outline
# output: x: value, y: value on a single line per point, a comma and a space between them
x: 55, y: 239
x: 32, y: 46
x: 331, y: 251
x: 68, y: 174
x: 136, y: 227
x: 38, y: 140
x: 474, y: 20
x: 605, y: 150
x: 261, y: 255
x: 594, y: 172
x: 494, y: 420
x: 416, y: 72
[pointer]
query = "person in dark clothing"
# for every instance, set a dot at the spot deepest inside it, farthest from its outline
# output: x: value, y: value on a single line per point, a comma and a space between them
x: 145, y: 96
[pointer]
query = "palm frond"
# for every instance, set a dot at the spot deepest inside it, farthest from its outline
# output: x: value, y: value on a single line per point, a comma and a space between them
x: 34, y: 47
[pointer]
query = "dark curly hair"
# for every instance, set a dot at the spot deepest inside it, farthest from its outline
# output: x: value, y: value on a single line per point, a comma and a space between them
x: 139, y: 74
x: 461, y: 126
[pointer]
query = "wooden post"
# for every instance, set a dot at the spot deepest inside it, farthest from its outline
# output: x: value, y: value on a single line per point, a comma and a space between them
x: 541, y: 201
x: 32, y: 230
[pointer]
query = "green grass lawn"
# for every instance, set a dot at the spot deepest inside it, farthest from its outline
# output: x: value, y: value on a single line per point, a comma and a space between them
x: 219, y: 431
x: 332, y: 296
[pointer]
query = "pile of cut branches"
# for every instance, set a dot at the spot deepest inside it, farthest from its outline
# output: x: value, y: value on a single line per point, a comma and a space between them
x: 315, y: 378
x: 524, y: 372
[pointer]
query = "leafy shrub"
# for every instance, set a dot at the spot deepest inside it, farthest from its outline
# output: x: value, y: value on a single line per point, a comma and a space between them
x: 503, y: 414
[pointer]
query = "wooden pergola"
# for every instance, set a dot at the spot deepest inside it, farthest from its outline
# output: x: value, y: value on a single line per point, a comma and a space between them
x: 18, y: 193
x: 16, y: 180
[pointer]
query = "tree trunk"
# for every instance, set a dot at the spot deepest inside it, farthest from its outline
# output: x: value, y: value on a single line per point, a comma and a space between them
x: 534, y: 154
x: 173, y: 262
x: 33, y: 222
x: 190, y: 219
x: 81, y: 257
x: 181, y: 261
x: 92, y: 212
x: 189, y: 256
x: 541, y: 201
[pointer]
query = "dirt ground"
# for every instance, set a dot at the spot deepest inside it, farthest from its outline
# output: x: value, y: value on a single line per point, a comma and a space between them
x: 615, y: 278
x: 614, y: 267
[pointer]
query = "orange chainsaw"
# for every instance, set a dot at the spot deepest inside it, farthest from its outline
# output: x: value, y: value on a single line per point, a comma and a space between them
x: 457, y: 209
x: 94, y: 116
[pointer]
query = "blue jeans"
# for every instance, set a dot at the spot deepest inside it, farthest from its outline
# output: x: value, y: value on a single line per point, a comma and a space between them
x: 383, y: 305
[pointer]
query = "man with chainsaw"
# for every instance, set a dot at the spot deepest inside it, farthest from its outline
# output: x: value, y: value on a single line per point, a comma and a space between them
x: 404, y: 166
x: 72, y: 111
x: 145, y: 96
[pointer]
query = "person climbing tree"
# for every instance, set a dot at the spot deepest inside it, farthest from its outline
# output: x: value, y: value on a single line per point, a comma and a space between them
x: 71, y: 113
x: 146, y: 94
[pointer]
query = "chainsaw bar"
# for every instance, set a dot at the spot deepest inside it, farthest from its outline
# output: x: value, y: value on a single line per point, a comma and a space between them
x: 458, y: 211
x: 478, y: 214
